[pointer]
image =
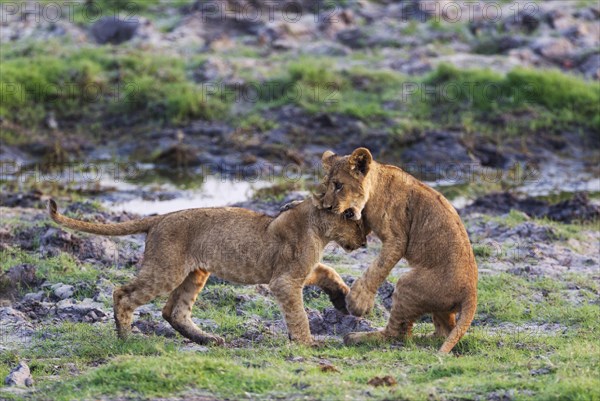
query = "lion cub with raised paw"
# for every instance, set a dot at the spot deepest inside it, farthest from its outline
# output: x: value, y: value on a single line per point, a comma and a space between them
x: 238, y: 245
x: 413, y: 222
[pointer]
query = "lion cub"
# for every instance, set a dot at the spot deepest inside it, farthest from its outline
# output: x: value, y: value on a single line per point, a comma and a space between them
x: 239, y: 245
x: 414, y: 222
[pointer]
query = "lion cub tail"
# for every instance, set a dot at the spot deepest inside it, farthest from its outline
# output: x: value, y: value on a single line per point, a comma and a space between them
x: 130, y: 227
x: 467, y: 312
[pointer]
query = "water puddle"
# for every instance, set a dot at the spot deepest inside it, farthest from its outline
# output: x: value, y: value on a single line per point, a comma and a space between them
x: 213, y: 192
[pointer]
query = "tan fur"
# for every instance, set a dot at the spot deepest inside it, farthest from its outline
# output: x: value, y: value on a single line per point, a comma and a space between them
x: 413, y: 222
x: 239, y: 245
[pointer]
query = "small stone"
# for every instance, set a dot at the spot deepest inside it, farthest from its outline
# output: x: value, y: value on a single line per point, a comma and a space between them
x: 63, y: 291
x: 114, y: 30
x: 34, y: 296
x: 556, y: 49
x: 19, y: 376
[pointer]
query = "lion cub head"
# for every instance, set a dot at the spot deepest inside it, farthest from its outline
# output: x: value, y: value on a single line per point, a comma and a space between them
x: 344, y: 188
x: 349, y: 234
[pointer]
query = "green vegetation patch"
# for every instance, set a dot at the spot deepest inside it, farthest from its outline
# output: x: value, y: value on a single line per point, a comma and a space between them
x: 522, y: 101
x: 318, y: 85
x: 509, y: 349
x: 129, y: 87
x: 78, y: 86
x: 534, y: 367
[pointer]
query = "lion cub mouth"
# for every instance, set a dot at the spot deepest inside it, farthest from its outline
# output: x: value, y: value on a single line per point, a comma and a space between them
x: 350, y: 214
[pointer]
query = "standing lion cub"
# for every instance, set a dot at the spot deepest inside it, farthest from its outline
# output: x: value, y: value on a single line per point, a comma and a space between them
x: 239, y: 245
x: 414, y: 222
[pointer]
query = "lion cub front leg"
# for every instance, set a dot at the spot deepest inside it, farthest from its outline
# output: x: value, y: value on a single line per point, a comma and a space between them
x: 332, y: 284
x: 288, y: 292
x: 361, y: 298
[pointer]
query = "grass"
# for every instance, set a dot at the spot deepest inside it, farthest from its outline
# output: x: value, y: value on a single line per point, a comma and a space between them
x: 133, y: 87
x: 520, y: 358
x: 520, y: 102
x: 317, y: 86
x: 97, y: 82
x: 488, y: 362
x: 62, y: 268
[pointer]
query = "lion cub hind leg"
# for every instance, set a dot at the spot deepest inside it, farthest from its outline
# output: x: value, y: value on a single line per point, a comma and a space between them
x: 407, y: 306
x: 288, y: 292
x: 444, y: 322
x: 143, y: 289
x: 178, y: 310
x: 332, y: 284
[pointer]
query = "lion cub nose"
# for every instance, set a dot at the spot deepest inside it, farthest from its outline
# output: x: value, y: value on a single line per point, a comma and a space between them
x: 349, y: 214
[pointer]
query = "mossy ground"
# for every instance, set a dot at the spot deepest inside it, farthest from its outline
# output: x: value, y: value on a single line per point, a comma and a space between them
x: 529, y: 340
x: 89, y: 84
x: 532, y: 363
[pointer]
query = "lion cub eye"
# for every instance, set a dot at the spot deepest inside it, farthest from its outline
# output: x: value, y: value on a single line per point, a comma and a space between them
x: 338, y: 186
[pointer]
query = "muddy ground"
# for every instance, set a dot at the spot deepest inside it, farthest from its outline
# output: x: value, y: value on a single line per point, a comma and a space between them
x: 505, y: 242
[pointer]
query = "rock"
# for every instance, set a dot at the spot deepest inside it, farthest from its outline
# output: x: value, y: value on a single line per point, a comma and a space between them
x: 178, y: 156
x: 84, y: 311
x: 504, y: 202
x: 55, y: 240
x: 103, y: 249
x: 19, y: 376
x: 159, y: 328
x: 34, y: 296
x: 490, y: 155
x: 104, y: 289
x: 35, y: 309
x: 430, y: 157
x: 285, y: 44
x: 89, y: 248
x: 114, y: 30
x: 325, y: 49
x: 343, y: 19
x: 466, y: 61
x: 63, y: 291
x: 214, y: 69
x: 501, y: 395
x: 410, y: 10
x: 385, y: 292
x: 333, y: 322
x: 355, y: 38
x: 20, y: 276
x: 522, y: 22
x: 554, y: 49
x: 191, y: 31
x: 578, y: 208
x: 531, y: 232
x: 32, y: 199
x: 590, y: 67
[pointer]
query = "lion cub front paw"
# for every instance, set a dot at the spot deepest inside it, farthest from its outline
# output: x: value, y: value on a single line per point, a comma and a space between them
x: 360, y: 300
x: 216, y: 340
x: 364, y: 337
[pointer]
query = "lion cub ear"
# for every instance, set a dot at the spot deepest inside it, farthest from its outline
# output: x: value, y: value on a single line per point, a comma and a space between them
x: 360, y: 161
x: 317, y: 201
x: 327, y: 159
x: 318, y: 195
